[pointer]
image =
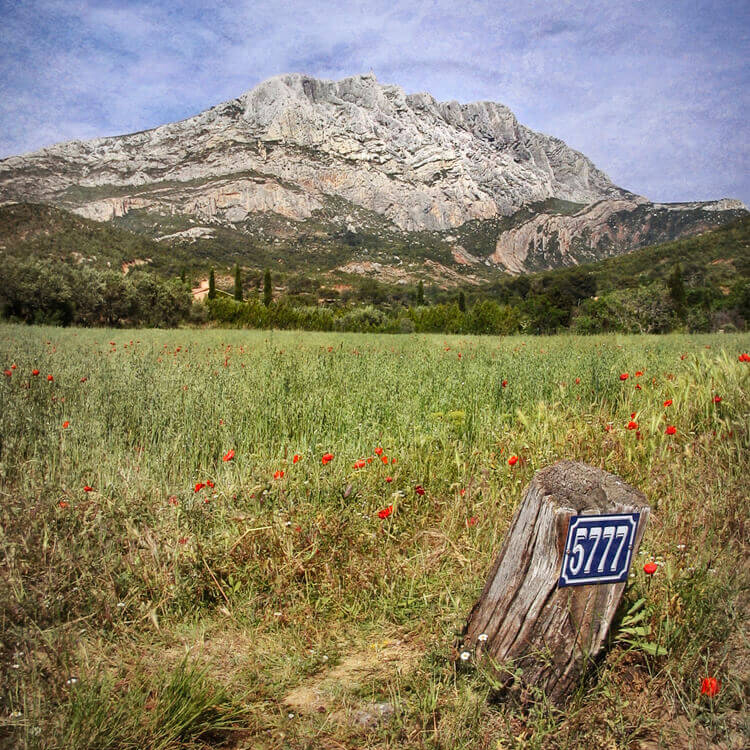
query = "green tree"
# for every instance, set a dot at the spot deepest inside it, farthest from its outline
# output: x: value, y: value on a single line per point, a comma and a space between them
x: 237, y: 283
x: 420, y: 294
x: 211, y: 284
x: 267, y: 290
x: 462, y: 301
x: 677, y: 291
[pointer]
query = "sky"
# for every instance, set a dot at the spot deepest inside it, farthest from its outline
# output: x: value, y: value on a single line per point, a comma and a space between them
x: 656, y: 93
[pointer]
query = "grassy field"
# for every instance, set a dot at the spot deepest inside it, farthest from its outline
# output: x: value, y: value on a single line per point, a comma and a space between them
x: 155, y: 595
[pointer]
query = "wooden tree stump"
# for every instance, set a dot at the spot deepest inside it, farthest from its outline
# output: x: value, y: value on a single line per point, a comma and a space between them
x: 523, y: 619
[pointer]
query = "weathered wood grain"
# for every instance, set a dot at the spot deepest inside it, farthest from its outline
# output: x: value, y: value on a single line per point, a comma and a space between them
x: 525, y: 621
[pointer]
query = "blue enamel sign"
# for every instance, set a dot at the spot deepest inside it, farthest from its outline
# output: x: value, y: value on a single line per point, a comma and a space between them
x: 598, y: 549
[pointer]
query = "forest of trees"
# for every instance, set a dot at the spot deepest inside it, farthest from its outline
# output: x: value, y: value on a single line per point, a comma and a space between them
x: 696, y: 284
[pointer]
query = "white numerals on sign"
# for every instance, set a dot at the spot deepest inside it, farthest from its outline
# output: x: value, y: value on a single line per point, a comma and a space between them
x: 596, y: 535
x: 609, y: 533
x: 598, y: 549
x: 578, y: 550
x: 622, y: 532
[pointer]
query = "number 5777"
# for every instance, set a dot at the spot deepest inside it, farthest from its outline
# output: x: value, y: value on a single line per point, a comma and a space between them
x: 598, y: 538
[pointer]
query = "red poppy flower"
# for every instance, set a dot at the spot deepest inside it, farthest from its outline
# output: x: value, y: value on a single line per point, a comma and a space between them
x: 278, y: 474
x: 504, y: 383
x: 327, y: 458
x: 717, y: 399
x: 199, y: 486
x: 66, y: 424
x: 578, y: 380
x: 462, y: 492
x: 296, y: 458
x: 378, y: 451
x: 744, y: 357
x: 229, y: 455
x: 608, y: 427
x: 87, y: 488
x: 624, y: 376
x: 389, y: 479
x: 173, y: 500
x: 50, y: 378
x: 632, y: 425
x: 369, y: 459
x: 385, y: 512
x: 472, y: 521
x: 650, y: 568
x: 668, y: 402
x: 182, y: 540
x: 682, y: 356
x: 393, y: 460
x: 360, y: 464
x: 35, y: 372
x: 8, y: 373
x: 513, y: 460
x: 63, y: 504
x: 671, y: 429
x: 419, y: 489
x: 13, y: 367
x: 638, y: 373
x: 709, y: 686
x: 638, y: 387
x: 209, y: 483
x: 384, y: 459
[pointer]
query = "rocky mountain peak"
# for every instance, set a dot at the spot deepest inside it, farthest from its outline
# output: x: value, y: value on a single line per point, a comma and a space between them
x: 294, y: 143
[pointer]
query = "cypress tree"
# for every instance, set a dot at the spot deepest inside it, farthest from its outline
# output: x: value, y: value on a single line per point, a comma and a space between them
x: 677, y: 291
x: 420, y: 293
x: 267, y: 291
x: 462, y: 301
x: 237, y: 283
x: 211, y: 284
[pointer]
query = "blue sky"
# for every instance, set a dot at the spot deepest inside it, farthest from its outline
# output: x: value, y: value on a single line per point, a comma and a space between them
x: 656, y: 93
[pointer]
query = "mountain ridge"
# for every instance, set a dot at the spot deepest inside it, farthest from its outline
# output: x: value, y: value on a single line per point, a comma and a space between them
x: 293, y: 143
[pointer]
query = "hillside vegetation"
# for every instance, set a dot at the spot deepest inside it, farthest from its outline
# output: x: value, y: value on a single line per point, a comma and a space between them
x: 61, y: 268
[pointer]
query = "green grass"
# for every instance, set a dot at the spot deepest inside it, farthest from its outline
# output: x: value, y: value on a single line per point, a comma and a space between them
x: 188, y: 617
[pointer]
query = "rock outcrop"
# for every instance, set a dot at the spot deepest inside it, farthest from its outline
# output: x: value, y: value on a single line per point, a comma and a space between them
x: 294, y: 142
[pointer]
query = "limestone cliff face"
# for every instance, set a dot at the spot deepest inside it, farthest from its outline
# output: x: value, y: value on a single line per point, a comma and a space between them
x: 421, y: 163
x: 293, y: 142
x: 602, y: 229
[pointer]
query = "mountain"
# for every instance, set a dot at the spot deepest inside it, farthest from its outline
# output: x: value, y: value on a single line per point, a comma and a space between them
x: 315, y: 165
